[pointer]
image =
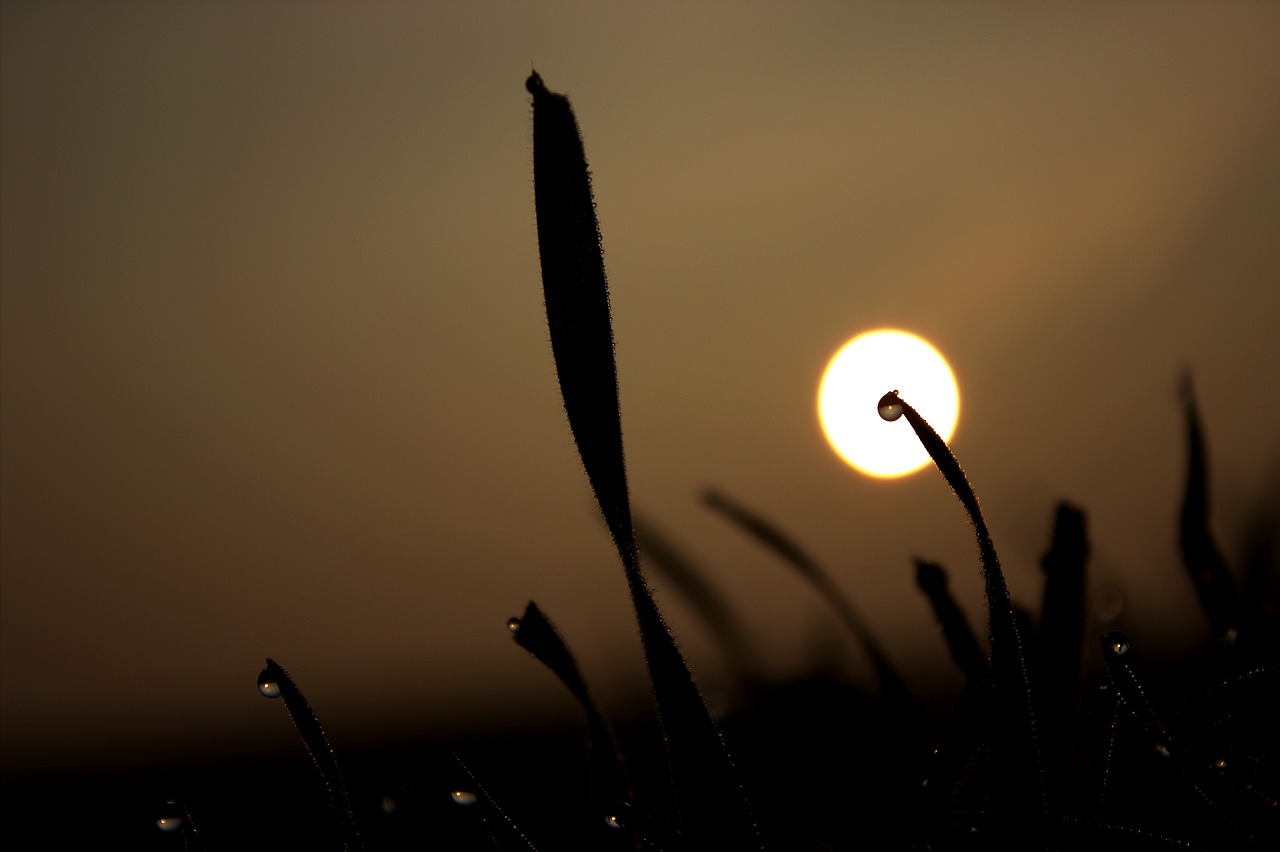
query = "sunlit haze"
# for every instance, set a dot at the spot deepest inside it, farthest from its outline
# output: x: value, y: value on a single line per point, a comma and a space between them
x: 277, y: 382
x: 855, y: 379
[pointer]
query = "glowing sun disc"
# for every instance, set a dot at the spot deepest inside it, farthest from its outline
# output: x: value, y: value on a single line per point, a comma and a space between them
x: 855, y: 379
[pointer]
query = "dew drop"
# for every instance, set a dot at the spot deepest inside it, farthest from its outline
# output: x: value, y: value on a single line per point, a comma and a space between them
x: 169, y: 823
x: 614, y: 821
x: 1117, y: 643
x: 1220, y: 764
x: 268, y: 685
x: 463, y: 797
x: 890, y: 407
x: 513, y: 624
x: 1162, y: 749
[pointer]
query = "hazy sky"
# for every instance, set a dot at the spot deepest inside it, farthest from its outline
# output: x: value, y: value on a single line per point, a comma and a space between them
x: 277, y: 380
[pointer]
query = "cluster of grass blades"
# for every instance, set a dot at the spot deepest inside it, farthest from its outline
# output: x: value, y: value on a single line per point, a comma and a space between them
x: 1030, y: 759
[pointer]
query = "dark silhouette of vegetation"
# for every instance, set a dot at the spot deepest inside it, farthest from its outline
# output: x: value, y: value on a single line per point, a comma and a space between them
x: 1161, y: 755
x: 713, y: 812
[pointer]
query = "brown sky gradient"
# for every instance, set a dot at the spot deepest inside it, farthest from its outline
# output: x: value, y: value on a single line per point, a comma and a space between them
x: 276, y: 376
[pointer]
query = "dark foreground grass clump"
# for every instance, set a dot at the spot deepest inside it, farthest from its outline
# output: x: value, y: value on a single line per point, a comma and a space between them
x: 1158, y: 755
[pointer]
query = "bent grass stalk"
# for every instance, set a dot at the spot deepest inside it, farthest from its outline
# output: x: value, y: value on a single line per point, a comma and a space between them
x: 1200, y: 552
x: 322, y: 754
x: 609, y: 783
x: 1017, y: 774
x: 961, y: 641
x: 807, y: 567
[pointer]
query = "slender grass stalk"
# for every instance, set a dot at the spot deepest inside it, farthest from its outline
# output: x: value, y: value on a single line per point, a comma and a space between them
x: 317, y: 744
x: 755, y: 525
x: 963, y: 644
x: 1214, y: 584
x: 503, y: 830
x: 1059, y: 643
x: 1017, y: 774
x: 609, y: 783
x: 713, y: 809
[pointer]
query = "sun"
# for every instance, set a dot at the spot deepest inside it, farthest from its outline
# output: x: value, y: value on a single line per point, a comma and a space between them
x: 855, y: 379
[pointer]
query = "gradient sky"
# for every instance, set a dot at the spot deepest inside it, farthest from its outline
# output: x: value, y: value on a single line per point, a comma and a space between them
x: 277, y: 380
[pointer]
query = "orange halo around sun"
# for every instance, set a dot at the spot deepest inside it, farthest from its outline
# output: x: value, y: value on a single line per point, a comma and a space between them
x: 859, y: 374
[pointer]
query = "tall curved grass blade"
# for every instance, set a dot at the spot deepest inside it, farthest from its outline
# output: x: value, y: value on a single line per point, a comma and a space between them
x: 1201, y: 556
x: 1059, y: 644
x: 1017, y: 775
x: 728, y: 630
x: 577, y: 300
x: 755, y: 525
x: 963, y: 644
x: 313, y: 737
x: 713, y: 810
x: 609, y: 782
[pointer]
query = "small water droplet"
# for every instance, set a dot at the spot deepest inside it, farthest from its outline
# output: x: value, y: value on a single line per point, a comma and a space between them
x: 513, y: 624
x: 1220, y: 763
x: 1117, y: 643
x: 890, y: 407
x: 388, y: 805
x: 267, y: 684
x: 1162, y: 749
x: 463, y: 797
x: 169, y: 823
x: 614, y: 821
x: 1229, y: 636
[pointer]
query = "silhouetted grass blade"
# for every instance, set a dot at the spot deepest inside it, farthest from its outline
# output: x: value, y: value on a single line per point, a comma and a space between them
x: 609, y: 784
x: 963, y: 644
x: 502, y: 829
x: 711, y: 605
x: 577, y: 300
x: 313, y: 737
x: 1061, y: 635
x: 1200, y: 554
x: 1017, y: 776
x: 783, y: 545
x: 713, y: 811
